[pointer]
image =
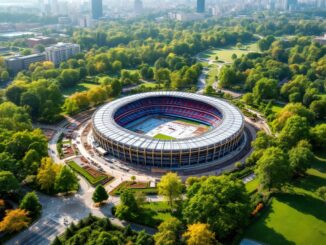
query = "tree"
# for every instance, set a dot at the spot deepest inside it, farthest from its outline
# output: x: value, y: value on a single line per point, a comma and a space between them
x: 248, y: 98
x: 143, y: 239
x: 199, y: 234
x: 15, y: 220
x: 14, y: 92
x: 163, y: 76
x: 265, y: 43
x: 168, y: 232
x: 300, y: 159
x: 129, y: 206
x: 100, y: 194
x: 170, y: 187
x: 116, y: 66
x: 227, y: 77
x: 265, y: 89
x: 47, y: 174
x: 140, y: 197
x: 116, y: 88
x: 221, y: 202
x: 69, y: 77
x: 295, y: 129
x: 288, y: 111
x: 133, y: 178
x: 128, y: 199
x: 96, y: 95
x: 319, y: 108
x: 8, y: 182
x: 31, y: 203
x: 26, y: 51
x: 273, y: 168
x: 56, y: 241
x: 321, y: 192
x: 14, y: 118
x: 318, y: 135
x: 66, y: 181
x: 40, y: 48
x: 4, y: 76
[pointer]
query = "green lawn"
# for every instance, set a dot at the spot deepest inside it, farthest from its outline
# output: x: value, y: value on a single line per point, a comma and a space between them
x: 252, y: 185
x: 276, y: 108
x: 149, y: 85
x: 225, y: 54
x: 151, y: 214
x: 159, y: 211
x: 297, y: 216
x: 323, y: 96
x: 93, y: 181
x: 212, y: 74
x: 78, y: 88
x: 163, y: 137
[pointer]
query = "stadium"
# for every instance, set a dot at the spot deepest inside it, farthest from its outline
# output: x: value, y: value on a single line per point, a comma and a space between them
x: 173, y: 130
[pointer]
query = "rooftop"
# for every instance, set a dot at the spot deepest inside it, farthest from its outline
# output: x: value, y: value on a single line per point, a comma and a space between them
x: 232, y: 123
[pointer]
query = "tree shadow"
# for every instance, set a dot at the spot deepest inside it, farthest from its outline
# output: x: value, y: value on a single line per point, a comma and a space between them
x: 146, y: 217
x: 261, y: 232
x: 310, y: 183
x: 305, y: 204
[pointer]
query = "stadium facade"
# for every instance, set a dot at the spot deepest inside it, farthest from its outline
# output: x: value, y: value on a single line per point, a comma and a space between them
x: 225, y: 136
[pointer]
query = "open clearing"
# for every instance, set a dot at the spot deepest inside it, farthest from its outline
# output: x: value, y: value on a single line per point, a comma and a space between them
x: 225, y: 54
x: 79, y: 88
x: 297, y: 216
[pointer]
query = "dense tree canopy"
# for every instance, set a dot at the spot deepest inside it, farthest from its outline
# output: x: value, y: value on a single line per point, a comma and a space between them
x: 170, y: 187
x: 221, y: 202
x: 273, y: 168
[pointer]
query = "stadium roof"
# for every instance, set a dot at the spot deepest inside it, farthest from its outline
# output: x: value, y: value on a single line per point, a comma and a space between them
x: 232, y: 123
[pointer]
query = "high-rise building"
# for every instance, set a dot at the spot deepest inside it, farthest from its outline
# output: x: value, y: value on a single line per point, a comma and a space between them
x: 321, y: 3
x: 54, y: 7
x: 61, y: 52
x: 138, y: 5
x: 200, y: 6
x: 97, y: 9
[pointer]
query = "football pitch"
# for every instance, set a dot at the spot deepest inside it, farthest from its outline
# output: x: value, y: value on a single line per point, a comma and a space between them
x: 167, y: 128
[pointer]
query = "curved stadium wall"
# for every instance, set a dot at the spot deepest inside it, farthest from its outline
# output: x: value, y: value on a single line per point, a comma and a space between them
x: 109, y: 121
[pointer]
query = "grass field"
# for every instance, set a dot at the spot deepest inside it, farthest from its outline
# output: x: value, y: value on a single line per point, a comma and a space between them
x: 212, y: 74
x: 156, y: 212
x: 225, y: 54
x: 151, y: 214
x: 163, y: 137
x: 276, y: 108
x: 93, y: 181
x: 78, y: 88
x: 252, y: 185
x: 297, y: 216
x: 149, y: 85
x: 189, y: 121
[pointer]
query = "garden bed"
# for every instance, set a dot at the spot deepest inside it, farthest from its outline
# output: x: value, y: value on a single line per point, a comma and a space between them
x: 93, y: 176
x: 135, y: 186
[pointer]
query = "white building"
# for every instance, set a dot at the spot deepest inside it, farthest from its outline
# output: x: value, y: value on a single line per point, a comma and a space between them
x: 321, y: 40
x: 61, y: 52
